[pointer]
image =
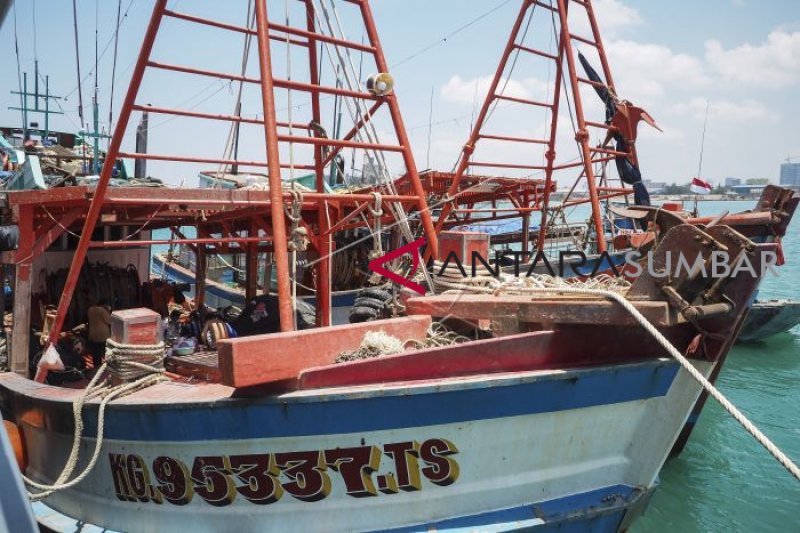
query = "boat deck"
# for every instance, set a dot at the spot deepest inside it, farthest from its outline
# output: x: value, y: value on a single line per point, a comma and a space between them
x: 200, y: 366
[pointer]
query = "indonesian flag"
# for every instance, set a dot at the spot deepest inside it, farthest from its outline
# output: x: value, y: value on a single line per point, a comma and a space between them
x: 701, y: 187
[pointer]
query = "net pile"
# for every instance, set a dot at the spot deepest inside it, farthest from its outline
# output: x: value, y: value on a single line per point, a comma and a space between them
x: 379, y: 343
x: 506, y: 284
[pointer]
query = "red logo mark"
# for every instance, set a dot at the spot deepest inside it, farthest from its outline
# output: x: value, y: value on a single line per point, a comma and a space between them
x: 413, y: 249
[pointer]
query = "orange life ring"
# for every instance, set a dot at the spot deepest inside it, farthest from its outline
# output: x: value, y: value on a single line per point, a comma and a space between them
x: 17, y: 443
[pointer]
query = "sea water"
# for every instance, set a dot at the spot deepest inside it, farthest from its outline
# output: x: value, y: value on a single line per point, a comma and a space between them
x: 725, y: 481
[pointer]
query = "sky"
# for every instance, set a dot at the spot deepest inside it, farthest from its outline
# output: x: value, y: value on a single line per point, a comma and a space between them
x: 741, y: 58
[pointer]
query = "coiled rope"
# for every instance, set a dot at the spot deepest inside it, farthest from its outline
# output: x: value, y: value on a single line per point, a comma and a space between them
x: 379, y: 343
x: 139, y: 367
x: 560, y: 286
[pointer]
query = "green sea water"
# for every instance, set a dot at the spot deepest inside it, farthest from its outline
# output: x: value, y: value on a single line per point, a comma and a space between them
x: 724, y: 481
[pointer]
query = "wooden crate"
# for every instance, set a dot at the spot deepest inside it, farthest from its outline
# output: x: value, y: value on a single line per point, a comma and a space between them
x: 463, y: 244
x: 136, y: 326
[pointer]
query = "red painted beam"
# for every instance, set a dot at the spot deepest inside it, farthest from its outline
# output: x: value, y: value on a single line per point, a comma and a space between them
x: 261, y: 359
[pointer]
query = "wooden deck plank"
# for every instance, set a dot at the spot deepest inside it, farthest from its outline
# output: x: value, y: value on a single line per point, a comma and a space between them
x: 526, y: 309
x: 201, y: 365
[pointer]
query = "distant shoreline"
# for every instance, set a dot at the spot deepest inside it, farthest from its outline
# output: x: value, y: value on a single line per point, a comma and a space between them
x: 660, y: 198
x: 704, y: 197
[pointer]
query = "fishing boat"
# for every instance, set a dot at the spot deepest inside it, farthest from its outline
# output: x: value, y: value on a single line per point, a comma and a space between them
x: 768, y: 318
x: 510, y: 407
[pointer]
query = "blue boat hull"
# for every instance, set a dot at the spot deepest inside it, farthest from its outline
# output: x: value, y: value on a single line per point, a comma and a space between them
x: 517, y: 451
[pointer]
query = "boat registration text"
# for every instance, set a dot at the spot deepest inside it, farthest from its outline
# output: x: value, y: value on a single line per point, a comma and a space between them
x: 266, y: 478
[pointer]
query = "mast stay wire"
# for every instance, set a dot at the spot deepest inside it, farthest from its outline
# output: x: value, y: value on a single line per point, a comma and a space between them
x: 78, y: 62
x: 19, y: 69
x: 297, y: 196
x: 114, y: 68
x: 102, y: 53
x: 453, y: 33
x: 96, y: 38
x: 35, y: 51
x: 248, y: 38
x: 507, y: 78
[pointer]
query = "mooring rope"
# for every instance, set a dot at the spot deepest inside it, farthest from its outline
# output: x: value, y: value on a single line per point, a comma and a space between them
x: 564, y: 287
x: 144, y: 364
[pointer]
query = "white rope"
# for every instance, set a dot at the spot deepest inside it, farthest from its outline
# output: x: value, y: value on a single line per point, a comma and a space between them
x: 782, y: 458
x: 124, y: 360
x: 377, y: 232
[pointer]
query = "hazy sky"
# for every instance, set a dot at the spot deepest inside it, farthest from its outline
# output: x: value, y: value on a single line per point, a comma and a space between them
x: 742, y: 56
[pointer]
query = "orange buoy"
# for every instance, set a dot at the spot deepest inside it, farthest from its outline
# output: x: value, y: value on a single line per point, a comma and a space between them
x: 17, y: 443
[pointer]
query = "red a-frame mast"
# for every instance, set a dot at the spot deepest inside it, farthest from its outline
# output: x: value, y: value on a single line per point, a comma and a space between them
x: 567, y: 80
x: 331, y: 212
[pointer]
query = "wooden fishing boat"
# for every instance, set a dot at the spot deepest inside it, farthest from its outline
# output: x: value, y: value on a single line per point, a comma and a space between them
x: 523, y: 409
x: 769, y: 318
x: 550, y: 406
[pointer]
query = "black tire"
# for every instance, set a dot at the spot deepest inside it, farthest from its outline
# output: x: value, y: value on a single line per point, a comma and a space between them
x: 373, y: 303
x: 306, y: 315
x: 362, y: 314
x: 376, y: 293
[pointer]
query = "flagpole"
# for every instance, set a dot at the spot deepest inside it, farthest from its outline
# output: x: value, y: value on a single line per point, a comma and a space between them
x: 702, y: 150
x: 703, y: 142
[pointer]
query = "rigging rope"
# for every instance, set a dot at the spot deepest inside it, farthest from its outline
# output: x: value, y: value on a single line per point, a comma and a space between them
x: 453, y: 33
x: 114, y: 68
x: 230, y: 143
x: 19, y: 70
x: 560, y: 286
x: 362, y: 114
x: 142, y: 364
x: 102, y: 54
x: 78, y: 64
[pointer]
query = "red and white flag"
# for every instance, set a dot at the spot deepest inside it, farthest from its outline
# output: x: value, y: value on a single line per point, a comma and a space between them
x: 701, y: 187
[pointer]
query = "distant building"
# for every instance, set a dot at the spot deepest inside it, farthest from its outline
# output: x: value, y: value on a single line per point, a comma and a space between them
x: 790, y: 174
x: 757, y: 181
x: 732, y: 182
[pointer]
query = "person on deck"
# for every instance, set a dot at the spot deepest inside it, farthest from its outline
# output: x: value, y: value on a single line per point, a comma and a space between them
x: 173, y: 326
x: 193, y: 326
x: 99, y: 330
